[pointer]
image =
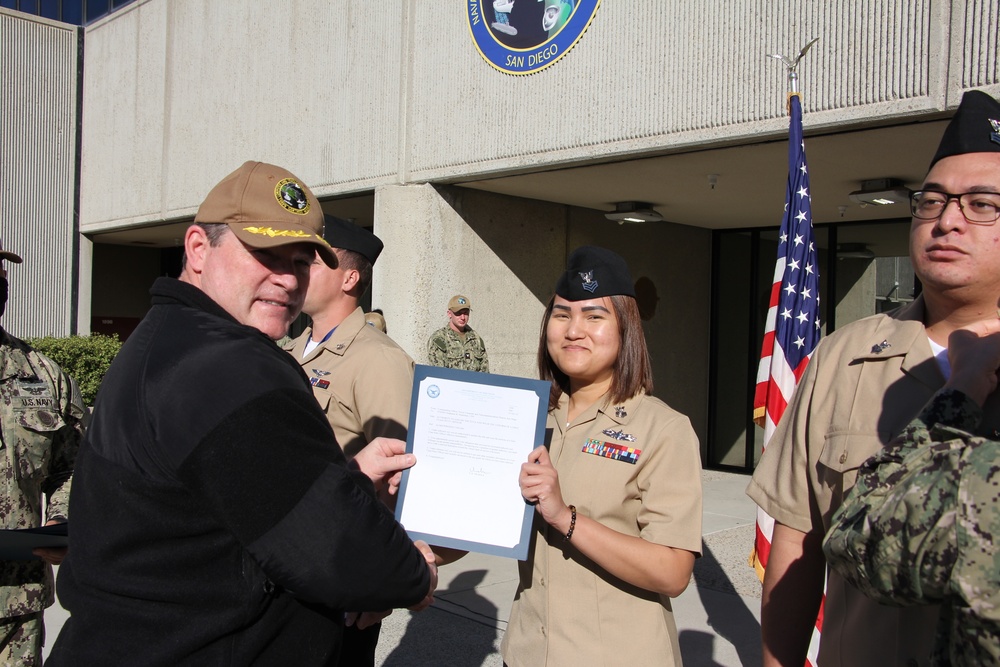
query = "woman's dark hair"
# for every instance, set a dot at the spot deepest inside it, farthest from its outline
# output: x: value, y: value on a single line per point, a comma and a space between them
x: 632, y: 371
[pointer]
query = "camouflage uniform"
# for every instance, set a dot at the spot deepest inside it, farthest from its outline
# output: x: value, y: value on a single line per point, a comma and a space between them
x: 41, y: 425
x: 920, y: 524
x: 450, y: 350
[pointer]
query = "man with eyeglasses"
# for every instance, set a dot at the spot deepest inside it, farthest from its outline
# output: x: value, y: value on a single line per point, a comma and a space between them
x: 864, y: 385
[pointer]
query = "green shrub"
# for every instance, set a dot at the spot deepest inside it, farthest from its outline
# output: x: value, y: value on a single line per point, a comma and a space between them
x: 85, y: 358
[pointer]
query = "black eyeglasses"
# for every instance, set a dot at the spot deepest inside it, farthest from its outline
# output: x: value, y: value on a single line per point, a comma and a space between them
x: 982, y: 208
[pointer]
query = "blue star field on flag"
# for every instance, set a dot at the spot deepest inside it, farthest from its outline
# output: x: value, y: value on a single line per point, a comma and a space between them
x: 797, y: 328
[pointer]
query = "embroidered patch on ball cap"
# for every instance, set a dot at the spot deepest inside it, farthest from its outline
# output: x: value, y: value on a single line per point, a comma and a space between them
x: 291, y: 196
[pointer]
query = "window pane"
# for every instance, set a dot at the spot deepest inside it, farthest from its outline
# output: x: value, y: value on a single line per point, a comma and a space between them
x: 731, y: 380
x: 874, y: 273
x: 72, y: 11
x: 49, y: 9
x: 96, y: 9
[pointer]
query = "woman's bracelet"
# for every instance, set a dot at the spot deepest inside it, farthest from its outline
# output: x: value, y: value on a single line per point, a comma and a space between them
x: 572, y: 522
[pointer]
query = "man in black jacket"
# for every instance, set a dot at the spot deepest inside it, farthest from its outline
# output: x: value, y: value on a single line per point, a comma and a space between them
x: 215, y: 521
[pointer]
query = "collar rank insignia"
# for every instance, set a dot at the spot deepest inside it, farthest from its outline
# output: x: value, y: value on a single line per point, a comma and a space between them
x: 620, y: 411
x: 995, y: 135
x: 589, y: 283
x: 340, y: 346
x: 878, y: 348
x: 619, y: 435
x: 609, y: 450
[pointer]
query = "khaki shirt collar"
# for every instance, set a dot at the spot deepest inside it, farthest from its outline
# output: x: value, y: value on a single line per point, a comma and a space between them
x: 338, y: 343
x: 903, y: 335
x: 618, y: 413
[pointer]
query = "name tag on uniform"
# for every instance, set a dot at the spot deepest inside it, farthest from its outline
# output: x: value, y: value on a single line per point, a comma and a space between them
x: 32, y: 393
x: 610, y: 450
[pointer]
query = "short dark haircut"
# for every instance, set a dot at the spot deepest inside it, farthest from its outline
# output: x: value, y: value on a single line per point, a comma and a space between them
x: 355, y: 261
x: 214, y: 231
x: 632, y: 371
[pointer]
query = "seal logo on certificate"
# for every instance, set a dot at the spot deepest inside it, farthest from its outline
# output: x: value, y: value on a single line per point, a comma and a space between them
x: 470, y: 433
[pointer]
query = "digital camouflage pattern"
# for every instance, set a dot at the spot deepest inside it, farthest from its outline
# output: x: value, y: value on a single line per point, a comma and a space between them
x: 41, y: 426
x: 919, y: 527
x: 21, y: 640
x: 448, y: 350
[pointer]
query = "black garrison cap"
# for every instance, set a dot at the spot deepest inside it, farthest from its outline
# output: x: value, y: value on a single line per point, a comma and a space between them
x: 974, y: 129
x: 593, y: 273
x: 346, y: 235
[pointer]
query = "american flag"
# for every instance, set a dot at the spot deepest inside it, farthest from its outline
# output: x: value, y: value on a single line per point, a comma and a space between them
x: 792, y: 329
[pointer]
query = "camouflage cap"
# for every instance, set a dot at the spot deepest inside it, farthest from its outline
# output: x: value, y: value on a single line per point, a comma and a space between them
x: 459, y: 302
x: 267, y: 206
x: 9, y: 256
x: 375, y: 320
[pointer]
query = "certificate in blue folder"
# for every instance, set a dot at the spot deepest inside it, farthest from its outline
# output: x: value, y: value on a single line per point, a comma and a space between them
x: 470, y: 433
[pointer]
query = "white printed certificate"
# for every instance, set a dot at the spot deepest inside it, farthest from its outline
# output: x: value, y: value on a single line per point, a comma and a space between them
x: 470, y: 433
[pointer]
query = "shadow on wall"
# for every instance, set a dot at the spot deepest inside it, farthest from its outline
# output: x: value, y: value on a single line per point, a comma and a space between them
x: 527, y: 235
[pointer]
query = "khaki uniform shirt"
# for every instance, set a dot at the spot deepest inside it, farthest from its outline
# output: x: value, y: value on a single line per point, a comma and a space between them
x: 41, y: 426
x: 567, y: 610
x: 362, y: 380
x: 864, y: 384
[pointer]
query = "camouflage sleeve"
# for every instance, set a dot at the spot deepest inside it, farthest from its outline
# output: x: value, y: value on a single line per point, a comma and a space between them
x: 485, y: 366
x: 974, y: 615
x: 436, y: 348
x: 65, y: 445
x: 894, y: 535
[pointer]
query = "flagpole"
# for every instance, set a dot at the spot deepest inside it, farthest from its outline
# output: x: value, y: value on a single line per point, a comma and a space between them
x: 792, y: 66
x: 791, y: 336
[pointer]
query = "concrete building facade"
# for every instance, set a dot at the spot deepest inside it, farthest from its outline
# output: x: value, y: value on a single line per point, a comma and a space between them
x: 482, y: 182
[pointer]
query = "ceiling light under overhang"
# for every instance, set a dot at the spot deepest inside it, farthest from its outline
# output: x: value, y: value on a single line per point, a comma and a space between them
x: 880, y: 192
x: 633, y: 211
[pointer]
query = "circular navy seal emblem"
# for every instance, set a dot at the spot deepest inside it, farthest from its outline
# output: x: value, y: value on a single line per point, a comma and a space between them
x: 526, y: 36
x: 433, y: 391
x: 291, y: 196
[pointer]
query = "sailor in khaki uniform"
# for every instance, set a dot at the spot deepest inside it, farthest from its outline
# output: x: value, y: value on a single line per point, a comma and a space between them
x: 361, y: 377
x: 864, y: 384
x: 597, y: 584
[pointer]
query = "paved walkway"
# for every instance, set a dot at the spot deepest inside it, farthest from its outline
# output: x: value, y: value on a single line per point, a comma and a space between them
x: 718, y: 616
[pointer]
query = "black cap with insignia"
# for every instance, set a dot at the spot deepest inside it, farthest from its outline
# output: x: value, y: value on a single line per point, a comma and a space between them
x: 974, y: 129
x: 592, y: 273
x: 346, y: 235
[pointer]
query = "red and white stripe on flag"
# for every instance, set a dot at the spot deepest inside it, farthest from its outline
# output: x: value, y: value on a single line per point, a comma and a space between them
x: 792, y: 327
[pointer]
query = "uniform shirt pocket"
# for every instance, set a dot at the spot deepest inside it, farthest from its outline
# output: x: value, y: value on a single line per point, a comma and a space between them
x: 35, y: 432
x: 842, y: 455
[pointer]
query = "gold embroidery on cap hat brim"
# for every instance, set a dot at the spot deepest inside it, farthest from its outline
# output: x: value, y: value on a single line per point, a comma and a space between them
x: 272, y: 232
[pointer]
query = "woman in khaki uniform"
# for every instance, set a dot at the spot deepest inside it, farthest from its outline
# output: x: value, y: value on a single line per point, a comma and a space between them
x: 617, y: 491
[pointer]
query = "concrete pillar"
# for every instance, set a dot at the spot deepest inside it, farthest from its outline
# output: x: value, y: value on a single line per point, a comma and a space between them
x: 504, y: 253
x: 84, y: 283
